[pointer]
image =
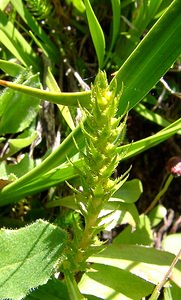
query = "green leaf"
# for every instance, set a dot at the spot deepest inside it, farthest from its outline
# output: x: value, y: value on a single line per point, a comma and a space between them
x: 116, y: 7
x: 11, y: 68
x: 151, y: 58
x: 48, y: 46
x: 151, y: 141
x: 145, y: 262
x: 21, y: 141
x: 11, y: 38
x: 116, y: 213
x: 3, y: 4
x: 53, y: 86
x: 17, y: 111
x: 129, y: 192
x: 150, y: 115
x: 21, y: 168
x: 141, y: 235
x: 157, y: 215
x: 96, y: 33
x: 172, y: 243
x: 28, y: 257
x: 79, y: 5
x: 70, y: 99
x: 110, y: 282
x: 52, y: 290
x: 174, y: 290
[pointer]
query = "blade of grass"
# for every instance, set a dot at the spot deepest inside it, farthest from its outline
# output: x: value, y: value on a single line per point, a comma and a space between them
x: 96, y: 33
x: 151, y: 141
x: 151, y: 58
x: 116, y: 8
x: 150, y: 115
x: 36, y: 29
x: 16, y: 44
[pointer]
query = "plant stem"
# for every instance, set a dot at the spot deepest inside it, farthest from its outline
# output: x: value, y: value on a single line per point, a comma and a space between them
x: 160, y: 194
x: 159, y: 286
x: 72, y: 287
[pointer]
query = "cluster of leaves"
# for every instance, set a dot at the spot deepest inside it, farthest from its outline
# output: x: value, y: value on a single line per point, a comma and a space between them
x: 44, y: 42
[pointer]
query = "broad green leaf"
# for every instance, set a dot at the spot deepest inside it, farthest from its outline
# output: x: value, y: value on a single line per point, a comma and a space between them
x: 116, y: 213
x: 172, y: 243
x: 17, y: 111
x: 96, y: 33
x: 142, y: 235
x: 110, y: 282
x: 52, y: 290
x: 28, y: 257
x: 147, y: 263
x: 21, y: 168
x: 21, y: 141
x: 151, y: 58
x: 129, y: 192
x: 157, y: 215
x: 11, y: 68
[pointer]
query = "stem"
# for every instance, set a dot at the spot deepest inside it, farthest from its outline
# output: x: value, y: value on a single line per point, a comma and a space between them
x: 89, y: 232
x: 73, y: 290
x: 160, y: 194
x: 159, y: 286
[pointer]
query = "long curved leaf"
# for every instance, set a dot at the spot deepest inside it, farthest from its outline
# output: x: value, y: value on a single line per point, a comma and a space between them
x: 96, y: 33
x: 151, y: 58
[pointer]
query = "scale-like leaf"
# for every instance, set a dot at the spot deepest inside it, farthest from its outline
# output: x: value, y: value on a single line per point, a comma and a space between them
x: 28, y: 257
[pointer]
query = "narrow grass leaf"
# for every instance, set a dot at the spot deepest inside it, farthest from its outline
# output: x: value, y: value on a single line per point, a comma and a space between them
x: 151, y: 141
x: 12, y: 39
x: 151, y: 115
x: 151, y: 59
x: 116, y: 8
x: 96, y: 33
x: 26, y: 16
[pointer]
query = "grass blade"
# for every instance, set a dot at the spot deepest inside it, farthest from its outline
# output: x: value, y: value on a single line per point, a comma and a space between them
x: 151, y: 59
x: 96, y: 33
